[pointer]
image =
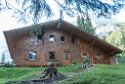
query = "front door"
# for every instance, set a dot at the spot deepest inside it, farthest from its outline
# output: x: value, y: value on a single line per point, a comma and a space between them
x: 67, y: 60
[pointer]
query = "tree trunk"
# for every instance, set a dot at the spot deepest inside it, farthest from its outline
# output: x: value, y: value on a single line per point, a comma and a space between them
x: 50, y: 73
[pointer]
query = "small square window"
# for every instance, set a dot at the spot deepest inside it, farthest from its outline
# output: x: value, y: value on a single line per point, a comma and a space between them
x: 32, y: 55
x: 39, y: 37
x: 62, y: 38
x: 51, y: 39
x: 51, y: 55
x: 84, y: 55
x: 98, y: 56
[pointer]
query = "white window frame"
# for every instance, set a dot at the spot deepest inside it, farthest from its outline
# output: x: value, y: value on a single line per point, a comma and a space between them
x: 51, y: 39
x: 33, y: 53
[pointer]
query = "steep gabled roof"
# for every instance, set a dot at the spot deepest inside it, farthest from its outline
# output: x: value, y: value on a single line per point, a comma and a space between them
x: 12, y: 35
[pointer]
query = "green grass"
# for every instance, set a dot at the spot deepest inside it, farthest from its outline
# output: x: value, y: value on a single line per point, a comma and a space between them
x: 100, y: 74
x: 14, y: 74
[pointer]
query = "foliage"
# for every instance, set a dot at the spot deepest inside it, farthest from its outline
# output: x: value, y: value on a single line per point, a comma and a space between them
x: 85, y: 24
x: 74, y: 62
x: 121, y: 59
x: 117, y: 38
x: 9, y: 64
x: 100, y: 74
x: 37, y: 9
x: 32, y: 65
x: 3, y: 59
x: 52, y: 64
x: 86, y: 60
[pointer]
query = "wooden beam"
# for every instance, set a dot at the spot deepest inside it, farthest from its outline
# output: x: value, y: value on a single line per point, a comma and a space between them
x: 112, y: 52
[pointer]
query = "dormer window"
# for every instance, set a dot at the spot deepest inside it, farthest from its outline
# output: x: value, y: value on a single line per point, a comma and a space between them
x: 62, y: 38
x: 51, y: 39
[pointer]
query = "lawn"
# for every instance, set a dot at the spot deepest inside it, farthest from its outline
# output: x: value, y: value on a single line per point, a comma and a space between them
x: 14, y: 74
x: 99, y: 74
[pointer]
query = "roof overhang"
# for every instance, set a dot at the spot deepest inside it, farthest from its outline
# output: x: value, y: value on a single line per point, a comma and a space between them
x: 12, y: 35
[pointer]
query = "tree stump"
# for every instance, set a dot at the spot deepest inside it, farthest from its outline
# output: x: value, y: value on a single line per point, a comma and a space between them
x: 50, y: 73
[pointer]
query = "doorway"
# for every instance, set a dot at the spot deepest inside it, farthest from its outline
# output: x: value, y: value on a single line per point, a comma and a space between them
x: 67, y: 59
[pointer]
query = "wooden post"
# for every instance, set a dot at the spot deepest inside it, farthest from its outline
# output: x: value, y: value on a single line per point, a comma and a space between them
x: 112, y: 60
x: 78, y: 41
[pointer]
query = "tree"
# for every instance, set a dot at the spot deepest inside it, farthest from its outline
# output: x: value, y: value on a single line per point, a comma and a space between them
x: 84, y: 23
x: 37, y: 9
x: 117, y: 37
x: 3, y: 58
x: 122, y: 40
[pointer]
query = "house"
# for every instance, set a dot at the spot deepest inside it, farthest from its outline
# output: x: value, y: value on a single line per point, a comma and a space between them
x: 64, y: 44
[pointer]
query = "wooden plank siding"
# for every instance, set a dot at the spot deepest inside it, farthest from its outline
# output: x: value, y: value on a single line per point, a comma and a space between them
x: 20, y: 43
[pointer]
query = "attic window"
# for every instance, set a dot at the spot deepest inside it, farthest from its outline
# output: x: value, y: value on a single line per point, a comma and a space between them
x: 51, y: 39
x: 39, y: 37
x: 32, y: 55
x: 73, y: 40
x: 62, y: 38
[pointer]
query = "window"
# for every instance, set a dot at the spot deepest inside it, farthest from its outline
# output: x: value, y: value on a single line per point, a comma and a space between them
x: 51, y: 55
x: 32, y: 55
x: 84, y: 55
x: 73, y: 40
x: 98, y: 56
x: 39, y: 37
x: 66, y: 56
x: 51, y: 39
x: 62, y: 38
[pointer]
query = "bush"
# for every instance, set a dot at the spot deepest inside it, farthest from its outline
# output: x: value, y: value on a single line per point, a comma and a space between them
x: 86, y: 60
x: 3, y: 59
x: 52, y: 64
x: 8, y: 64
x: 74, y: 62
x: 59, y: 64
x: 34, y: 65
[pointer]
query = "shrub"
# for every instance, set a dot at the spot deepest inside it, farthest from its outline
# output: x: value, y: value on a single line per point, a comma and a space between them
x: 59, y: 64
x: 52, y: 64
x: 3, y: 59
x: 74, y: 62
x: 34, y: 65
x: 86, y: 60
x: 8, y: 64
